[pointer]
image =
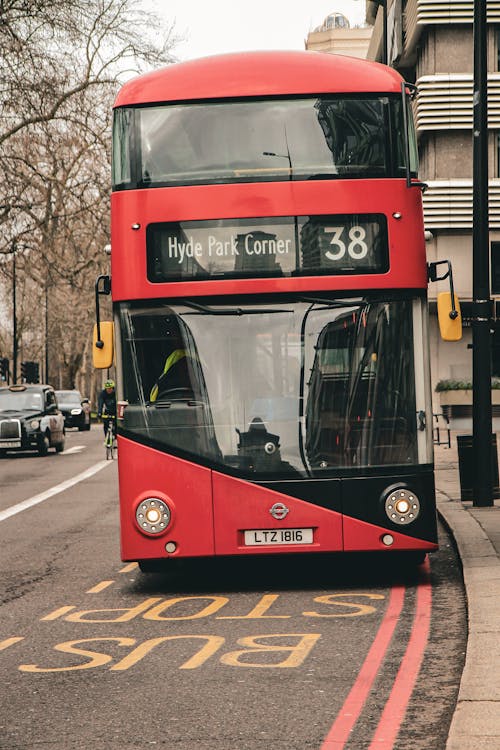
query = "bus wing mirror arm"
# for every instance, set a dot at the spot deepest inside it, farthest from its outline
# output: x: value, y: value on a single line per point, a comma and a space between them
x: 409, y: 89
x: 433, y: 276
x: 448, y: 305
x: 102, y: 286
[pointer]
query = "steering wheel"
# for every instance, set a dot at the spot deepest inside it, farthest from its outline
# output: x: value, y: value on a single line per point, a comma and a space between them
x: 176, y: 394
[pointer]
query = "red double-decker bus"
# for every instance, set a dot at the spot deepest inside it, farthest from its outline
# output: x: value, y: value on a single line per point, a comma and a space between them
x: 269, y: 286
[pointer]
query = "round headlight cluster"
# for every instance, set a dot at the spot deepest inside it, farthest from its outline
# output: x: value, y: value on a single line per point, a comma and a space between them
x: 152, y: 515
x: 402, y: 506
x: 35, y: 424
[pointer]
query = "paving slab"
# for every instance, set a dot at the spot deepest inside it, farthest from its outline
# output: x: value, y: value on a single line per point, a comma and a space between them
x: 476, y: 530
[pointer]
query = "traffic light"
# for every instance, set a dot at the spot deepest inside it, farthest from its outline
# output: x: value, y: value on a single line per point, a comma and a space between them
x: 33, y: 372
x: 4, y: 369
x: 30, y: 372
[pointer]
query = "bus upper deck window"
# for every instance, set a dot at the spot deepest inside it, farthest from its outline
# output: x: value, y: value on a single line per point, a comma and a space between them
x: 122, y: 133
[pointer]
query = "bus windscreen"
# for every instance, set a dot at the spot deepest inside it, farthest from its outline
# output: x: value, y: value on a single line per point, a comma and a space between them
x: 288, y: 389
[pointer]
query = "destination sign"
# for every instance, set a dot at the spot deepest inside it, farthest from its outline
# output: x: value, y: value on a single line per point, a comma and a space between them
x: 333, y: 244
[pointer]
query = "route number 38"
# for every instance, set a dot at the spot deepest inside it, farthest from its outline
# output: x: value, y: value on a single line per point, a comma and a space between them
x: 356, y: 248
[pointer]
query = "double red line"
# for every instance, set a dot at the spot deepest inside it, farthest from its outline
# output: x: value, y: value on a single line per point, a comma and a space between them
x: 404, y: 682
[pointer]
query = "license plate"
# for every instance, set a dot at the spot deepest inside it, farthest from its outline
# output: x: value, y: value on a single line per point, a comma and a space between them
x: 258, y: 537
x: 10, y: 444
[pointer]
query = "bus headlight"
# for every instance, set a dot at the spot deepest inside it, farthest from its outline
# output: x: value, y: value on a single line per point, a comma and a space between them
x: 402, y: 506
x: 152, y: 515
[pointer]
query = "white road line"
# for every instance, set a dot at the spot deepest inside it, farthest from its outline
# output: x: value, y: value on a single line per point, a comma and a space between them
x: 25, y: 504
x: 74, y: 449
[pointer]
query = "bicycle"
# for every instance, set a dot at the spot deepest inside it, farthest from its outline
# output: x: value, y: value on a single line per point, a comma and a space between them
x: 110, y: 437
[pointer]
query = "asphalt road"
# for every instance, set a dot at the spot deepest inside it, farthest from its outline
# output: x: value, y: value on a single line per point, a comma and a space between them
x: 323, y: 652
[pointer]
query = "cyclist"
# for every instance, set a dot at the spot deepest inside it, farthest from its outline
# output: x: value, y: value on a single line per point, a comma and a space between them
x: 106, y: 406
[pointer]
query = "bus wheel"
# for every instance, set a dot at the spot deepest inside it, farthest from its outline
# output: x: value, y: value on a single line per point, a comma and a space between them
x: 153, y: 566
x: 411, y: 559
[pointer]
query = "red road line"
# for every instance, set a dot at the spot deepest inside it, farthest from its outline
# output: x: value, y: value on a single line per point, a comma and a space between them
x: 353, y: 705
x: 395, y: 708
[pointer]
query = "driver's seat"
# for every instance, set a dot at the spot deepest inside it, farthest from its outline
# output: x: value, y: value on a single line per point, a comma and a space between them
x: 175, y: 383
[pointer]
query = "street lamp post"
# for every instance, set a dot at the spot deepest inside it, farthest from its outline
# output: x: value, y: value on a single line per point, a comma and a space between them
x: 14, y: 316
x: 15, y: 343
x: 46, y: 333
x: 481, y: 318
x: 385, y: 48
x: 290, y: 173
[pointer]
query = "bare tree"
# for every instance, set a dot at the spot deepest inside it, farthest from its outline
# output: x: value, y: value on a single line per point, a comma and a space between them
x: 61, y: 65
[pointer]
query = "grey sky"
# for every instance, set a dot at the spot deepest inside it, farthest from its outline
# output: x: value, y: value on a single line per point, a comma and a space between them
x: 228, y: 25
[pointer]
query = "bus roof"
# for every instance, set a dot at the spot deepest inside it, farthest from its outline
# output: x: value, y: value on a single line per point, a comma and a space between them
x: 271, y: 73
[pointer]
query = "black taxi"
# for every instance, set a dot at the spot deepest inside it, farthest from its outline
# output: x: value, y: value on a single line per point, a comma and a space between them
x: 30, y: 419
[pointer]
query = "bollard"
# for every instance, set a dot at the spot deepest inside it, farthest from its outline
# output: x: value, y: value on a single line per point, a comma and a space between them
x: 466, y: 466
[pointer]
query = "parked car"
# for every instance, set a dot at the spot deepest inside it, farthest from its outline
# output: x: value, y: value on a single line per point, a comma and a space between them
x: 75, y: 409
x: 30, y: 419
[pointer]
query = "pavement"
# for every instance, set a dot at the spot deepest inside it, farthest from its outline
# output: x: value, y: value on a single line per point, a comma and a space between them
x: 476, y: 530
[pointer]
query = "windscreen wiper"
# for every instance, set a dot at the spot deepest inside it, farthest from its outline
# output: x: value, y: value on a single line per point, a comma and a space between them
x: 324, y: 176
x: 332, y: 303
x: 232, y: 310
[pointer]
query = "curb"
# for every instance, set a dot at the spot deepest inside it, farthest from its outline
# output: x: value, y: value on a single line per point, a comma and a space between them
x: 476, y: 721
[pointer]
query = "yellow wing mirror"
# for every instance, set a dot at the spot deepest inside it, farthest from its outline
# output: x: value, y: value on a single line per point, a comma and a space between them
x: 448, y: 306
x: 103, y: 339
x: 103, y: 345
x: 449, y: 316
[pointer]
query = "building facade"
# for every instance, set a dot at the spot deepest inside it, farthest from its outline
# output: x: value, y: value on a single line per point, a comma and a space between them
x: 336, y: 35
x: 431, y: 43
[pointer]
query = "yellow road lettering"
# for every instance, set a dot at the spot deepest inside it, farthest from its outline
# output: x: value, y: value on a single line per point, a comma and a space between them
x: 96, y: 658
x: 215, y: 603
x: 296, y: 652
x: 213, y: 643
x: 337, y: 600
x: 57, y: 613
x: 257, y: 612
x: 128, y: 612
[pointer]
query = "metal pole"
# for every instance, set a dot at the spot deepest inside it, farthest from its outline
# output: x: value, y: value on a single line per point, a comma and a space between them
x: 481, y: 323
x: 385, y: 42
x: 46, y: 334
x: 384, y: 33
x: 14, y: 317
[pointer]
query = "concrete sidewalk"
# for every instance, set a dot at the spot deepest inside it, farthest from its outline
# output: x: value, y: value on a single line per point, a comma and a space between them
x: 476, y: 721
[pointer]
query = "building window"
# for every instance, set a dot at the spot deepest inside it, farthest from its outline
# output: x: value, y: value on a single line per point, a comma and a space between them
x: 495, y: 268
x: 335, y: 21
x: 495, y: 351
x: 495, y: 290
